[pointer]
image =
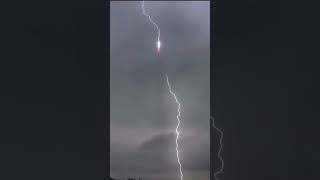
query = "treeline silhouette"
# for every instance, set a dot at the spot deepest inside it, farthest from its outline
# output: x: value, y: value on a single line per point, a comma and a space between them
x: 110, y: 178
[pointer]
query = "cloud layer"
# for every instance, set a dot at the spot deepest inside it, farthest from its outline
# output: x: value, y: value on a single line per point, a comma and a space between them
x: 142, y: 110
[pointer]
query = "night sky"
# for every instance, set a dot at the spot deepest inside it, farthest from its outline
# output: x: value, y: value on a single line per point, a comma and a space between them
x: 142, y: 111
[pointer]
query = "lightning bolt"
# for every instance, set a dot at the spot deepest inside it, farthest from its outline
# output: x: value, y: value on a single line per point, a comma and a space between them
x: 150, y: 19
x: 177, y: 128
x: 220, y: 150
x: 170, y: 90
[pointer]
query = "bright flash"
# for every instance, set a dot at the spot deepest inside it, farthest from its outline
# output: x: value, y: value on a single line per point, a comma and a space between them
x: 158, y: 45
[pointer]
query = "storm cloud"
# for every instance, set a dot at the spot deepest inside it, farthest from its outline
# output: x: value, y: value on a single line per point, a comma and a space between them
x: 143, y: 113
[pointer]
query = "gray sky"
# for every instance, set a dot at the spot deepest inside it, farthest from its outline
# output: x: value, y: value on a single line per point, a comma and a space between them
x: 143, y: 113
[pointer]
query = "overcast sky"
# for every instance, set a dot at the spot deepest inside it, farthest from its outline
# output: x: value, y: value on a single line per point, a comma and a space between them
x: 143, y: 113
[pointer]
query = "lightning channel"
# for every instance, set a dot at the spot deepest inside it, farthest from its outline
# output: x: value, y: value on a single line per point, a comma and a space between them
x: 215, y: 174
x: 177, y: 128
x: 155, y: 24
x: 170, y: 90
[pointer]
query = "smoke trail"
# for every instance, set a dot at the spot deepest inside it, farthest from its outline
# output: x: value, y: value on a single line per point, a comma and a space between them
x: 215, y: 174
x: 178, y: 118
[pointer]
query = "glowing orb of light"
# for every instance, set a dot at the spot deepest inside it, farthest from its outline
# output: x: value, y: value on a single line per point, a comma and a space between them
x: 158, y: 45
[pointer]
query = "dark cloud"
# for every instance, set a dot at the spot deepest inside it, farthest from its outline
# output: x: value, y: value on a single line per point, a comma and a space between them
x: 143, y: 114
x: 157, y: 146
x: 157, y: 141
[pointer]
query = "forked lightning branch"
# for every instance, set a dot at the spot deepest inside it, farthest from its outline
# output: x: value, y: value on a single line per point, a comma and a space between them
x: 215, y: 174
